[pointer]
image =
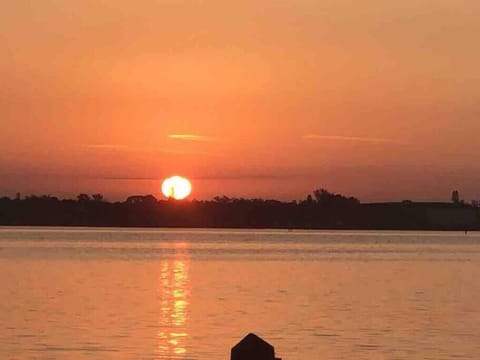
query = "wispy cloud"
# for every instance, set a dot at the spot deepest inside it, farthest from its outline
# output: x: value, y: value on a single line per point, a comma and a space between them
x: 116, y: 147
x: 203, y: 177
x: 139, y: 149
x: 353, y: 139
x: 191, y: 137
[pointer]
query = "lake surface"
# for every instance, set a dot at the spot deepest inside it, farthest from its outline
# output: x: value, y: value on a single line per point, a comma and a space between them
x: 77, y: 293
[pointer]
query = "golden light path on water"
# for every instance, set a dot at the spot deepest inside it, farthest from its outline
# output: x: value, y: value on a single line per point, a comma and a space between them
x: 173, y: 294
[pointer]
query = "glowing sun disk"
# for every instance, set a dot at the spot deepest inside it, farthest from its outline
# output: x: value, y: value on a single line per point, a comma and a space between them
x: 176, y: 187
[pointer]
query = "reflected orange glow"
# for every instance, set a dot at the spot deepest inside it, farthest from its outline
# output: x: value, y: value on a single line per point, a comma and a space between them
x: 173, y: 293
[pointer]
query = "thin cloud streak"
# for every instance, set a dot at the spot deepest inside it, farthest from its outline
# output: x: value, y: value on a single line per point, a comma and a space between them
x: 353, y: 139
x: 134, y: 149
x: 106, y: 147
x: 191, y: 137
x: 194, y: 178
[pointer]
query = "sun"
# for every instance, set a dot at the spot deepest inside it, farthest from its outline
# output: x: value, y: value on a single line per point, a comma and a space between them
x: 176, y: 187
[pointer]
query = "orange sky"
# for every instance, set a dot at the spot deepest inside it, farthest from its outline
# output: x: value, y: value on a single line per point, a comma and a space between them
x: 376, y: 99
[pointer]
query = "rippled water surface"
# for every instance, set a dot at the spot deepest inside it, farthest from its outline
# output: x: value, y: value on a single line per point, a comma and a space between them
x: 192, y: 294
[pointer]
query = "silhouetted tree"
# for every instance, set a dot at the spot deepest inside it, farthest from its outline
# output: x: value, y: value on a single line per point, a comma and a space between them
x: 324, y: 197
x: 141, y: 199
x: 83, y: 198
x: 97, y: 197
x: 222, y: 199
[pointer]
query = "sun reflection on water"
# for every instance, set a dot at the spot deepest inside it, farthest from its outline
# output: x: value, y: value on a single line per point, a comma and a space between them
x: 173, y: 294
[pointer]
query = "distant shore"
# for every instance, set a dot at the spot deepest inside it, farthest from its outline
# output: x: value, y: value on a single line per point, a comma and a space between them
x: 322, y: 211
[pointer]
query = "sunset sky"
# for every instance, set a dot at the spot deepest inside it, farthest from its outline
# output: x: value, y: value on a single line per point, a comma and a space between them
x: 377, y: 99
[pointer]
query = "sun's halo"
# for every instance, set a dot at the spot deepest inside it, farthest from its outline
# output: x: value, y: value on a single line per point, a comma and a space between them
x: 176, y: 187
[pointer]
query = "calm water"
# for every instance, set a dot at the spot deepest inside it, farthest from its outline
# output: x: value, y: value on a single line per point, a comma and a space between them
x: 192, y: 294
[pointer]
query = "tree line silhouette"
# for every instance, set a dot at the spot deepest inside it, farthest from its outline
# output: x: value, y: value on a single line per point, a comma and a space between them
x: 320, y: 210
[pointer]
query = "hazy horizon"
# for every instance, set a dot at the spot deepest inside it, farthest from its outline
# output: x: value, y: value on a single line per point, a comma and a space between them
x: 122, y: 196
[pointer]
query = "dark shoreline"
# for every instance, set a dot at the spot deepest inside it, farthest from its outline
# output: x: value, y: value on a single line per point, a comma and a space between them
x: 236, y: 228
x: 330, y: 212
